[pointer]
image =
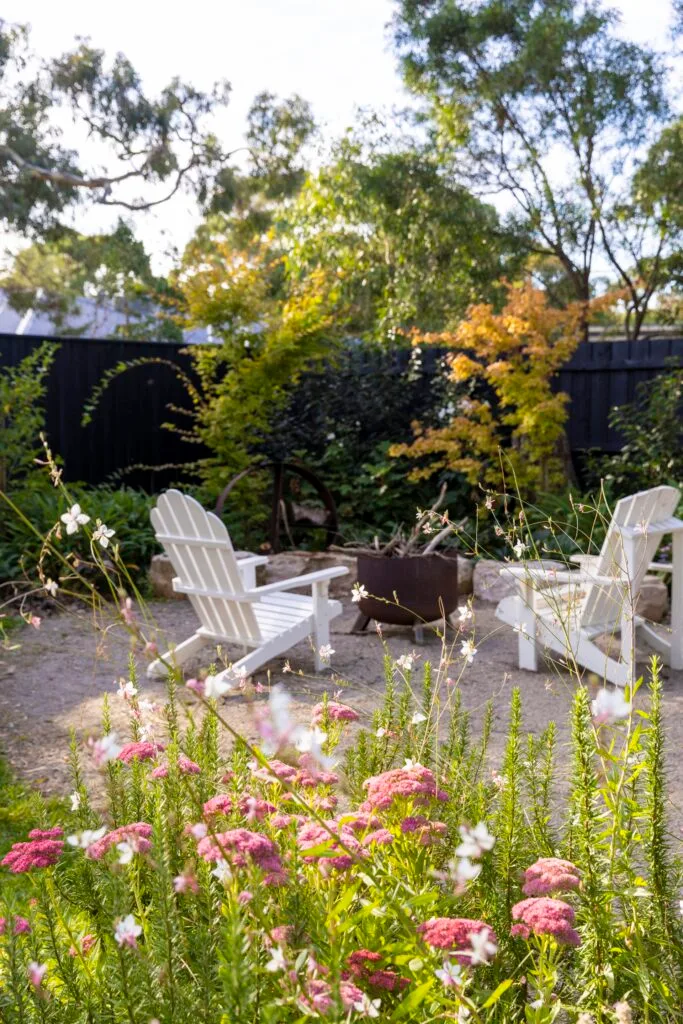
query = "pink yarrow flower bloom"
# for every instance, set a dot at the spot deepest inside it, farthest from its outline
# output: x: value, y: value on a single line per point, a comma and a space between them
x: 185, y: 767
x: 313, y: 836
x: 415, y: 783
x: 245, y: 848
x: 544, y: 916
x: 143, y: 750
x: 136, y: 835
x: 336, y: 713
x: 43, y: 849
x: 20, y: 926
x: 550, y: 874
x: 456, y: 935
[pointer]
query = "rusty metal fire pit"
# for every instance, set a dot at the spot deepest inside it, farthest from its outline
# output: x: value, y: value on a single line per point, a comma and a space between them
x: 407, y: 591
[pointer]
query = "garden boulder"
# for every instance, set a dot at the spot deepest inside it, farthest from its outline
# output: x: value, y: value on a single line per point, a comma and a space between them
x: 465, y: 573
x: 653, y: 599
x: 489, y: 585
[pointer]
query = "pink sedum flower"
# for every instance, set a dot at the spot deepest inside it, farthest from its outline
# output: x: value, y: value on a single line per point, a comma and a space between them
x: 313, y: 836
x: 137, y: 835
x: 335, y: 712
x: 243, y: 849
x: 36, y: 853
x: 544, y: 916
x: 550, y: 874
x: 20, y: 926
x: 380, y: 837
x: 415, y: 783
x: 143, y: 750
x: 455, y: 934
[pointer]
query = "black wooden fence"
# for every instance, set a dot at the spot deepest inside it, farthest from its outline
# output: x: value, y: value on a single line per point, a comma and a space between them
x: 126, y: 428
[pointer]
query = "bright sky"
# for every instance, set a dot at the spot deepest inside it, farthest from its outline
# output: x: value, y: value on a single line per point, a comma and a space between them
x: 335, y: 53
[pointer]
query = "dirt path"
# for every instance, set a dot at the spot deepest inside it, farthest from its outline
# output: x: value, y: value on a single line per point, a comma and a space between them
x: 55, y: 681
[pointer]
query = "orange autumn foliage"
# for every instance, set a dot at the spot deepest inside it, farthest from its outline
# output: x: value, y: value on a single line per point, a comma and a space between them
x: 517, y: 353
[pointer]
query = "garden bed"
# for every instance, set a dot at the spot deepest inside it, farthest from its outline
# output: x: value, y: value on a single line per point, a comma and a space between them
x: 55, y: 681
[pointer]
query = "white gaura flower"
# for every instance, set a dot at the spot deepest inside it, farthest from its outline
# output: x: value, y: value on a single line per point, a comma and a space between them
x: 475, y: 841
x: 127, y: 931
x: 222, y: 871
x: 75, y: 800
x: 126, y: 690
x: 519, y: 547
x: 367, y: 1007
x: 490, y: 502
x: 450, y: 974
x: 468, y: 650
x: 641, y: 528
x: 405, y: 662
x: 417, y: 718
x: 465, y: 612
x: 610, y: 707
x: 82, y: 840
x: 126, y: 852
x: 483, y: 949
x: 520, y: 627
x: 325, y: 653
x: 409, y: 764
x: 74, y: 518
x: 51, y: 587
x: 358, y: 593
x: 464, y: 870
x: 381, y: 732
x: 105, y: 749
x: 102, y: 534
x: 217, y: 686
x: 277, y: 960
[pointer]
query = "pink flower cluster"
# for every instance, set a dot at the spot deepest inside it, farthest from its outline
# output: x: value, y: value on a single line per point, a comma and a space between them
x: 143, y: 750
x: 185, y: 767
x: 136, y: 834
x: 243, y: 848
x: 544, y: 916
x: 308, y: 774
x: 550, y: 874
x: 380, y: 837
x: 21, y: 926
x: 253, y: 808
x: 313, y: 835
x: 428, y: 832
x: 362, y: 965
x: 319, y: 996
x: 87, y: 944
x: 454, y: 934
x: 335, y: 712
x: 43, y: 849
x: 416, y: 783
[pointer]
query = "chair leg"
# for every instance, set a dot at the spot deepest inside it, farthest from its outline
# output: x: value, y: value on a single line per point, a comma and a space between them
x: 321, y: 622
x: 176, y: 656
x: 527, y: 654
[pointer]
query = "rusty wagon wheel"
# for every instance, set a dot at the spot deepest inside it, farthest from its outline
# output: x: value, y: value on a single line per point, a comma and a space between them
x: 302, y: 510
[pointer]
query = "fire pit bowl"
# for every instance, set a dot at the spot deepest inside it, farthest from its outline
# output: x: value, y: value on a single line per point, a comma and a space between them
x: 407, y: 591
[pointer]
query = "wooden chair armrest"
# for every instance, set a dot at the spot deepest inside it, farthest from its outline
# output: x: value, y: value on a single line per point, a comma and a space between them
x: 251, y: 560
x: 550, y: 577
x: 308, y: 579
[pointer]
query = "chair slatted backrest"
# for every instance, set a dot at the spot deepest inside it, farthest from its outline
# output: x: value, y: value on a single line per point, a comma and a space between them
x: 642, y: 510
x: 201, y: 552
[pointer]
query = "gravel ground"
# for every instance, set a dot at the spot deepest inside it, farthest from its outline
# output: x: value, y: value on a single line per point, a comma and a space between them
x: 55, y: 680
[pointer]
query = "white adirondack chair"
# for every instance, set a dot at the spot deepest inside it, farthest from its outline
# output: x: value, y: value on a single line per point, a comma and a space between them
x: 223, y: 592
x: 564, y: 611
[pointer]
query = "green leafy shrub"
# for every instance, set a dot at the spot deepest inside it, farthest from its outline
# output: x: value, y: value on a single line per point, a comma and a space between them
x: 22, y: 392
